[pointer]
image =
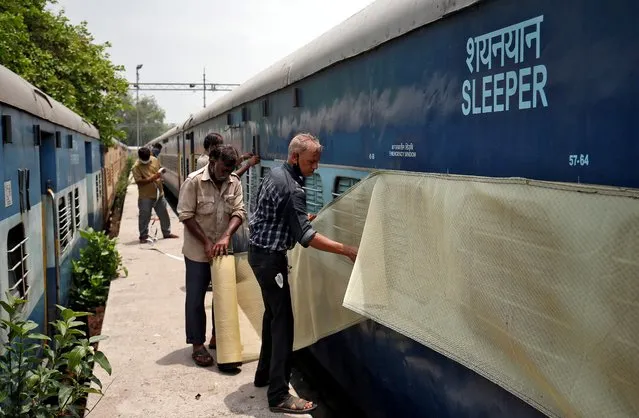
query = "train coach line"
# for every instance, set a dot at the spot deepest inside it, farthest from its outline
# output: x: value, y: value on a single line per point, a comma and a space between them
x: 153, y: 373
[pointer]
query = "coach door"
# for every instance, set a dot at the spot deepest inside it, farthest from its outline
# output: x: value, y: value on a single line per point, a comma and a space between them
x: 48, y: 184
x: 192, y: 157
x: 180, y: 153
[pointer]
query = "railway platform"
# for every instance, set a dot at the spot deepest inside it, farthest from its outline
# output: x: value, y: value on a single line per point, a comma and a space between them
x: 153, y: 373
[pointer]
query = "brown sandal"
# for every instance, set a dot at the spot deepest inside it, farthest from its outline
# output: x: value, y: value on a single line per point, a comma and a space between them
x: 293, y: 405
x: 202, y: 358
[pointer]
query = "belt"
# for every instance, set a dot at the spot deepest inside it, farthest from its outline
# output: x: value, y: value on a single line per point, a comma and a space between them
x: 256, y: 249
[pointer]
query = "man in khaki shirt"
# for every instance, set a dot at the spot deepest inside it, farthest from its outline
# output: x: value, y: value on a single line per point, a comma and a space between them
x: 147, y: 175
x: 211, y: 206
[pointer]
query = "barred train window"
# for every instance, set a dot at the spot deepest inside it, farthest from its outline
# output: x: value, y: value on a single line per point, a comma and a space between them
x: 314, y: 198
x: 17, y: 261
x: 63, y: 224
x: 70, y: 214
x: 76, y: 201
x: 342, y: 184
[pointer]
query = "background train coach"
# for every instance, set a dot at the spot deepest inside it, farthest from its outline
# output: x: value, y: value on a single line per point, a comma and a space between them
x: 57, y: 179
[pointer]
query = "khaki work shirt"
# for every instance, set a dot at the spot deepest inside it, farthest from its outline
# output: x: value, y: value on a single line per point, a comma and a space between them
x: 141, y: 171
x: 211, y: 207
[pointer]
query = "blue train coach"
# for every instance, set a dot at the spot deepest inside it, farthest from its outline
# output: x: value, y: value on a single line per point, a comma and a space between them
x: 537, y: 89
x: 51, y: 166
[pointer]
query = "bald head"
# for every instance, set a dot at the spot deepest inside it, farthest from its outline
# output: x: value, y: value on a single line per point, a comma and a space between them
x: 305, y: 151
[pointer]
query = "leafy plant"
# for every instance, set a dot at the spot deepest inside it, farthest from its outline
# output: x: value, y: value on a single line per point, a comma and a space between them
x: 46, y: 380
x: 123, y: 183
x: 99, y: 263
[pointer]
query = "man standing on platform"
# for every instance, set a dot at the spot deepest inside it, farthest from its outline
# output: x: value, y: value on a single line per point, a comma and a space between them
x: 279, y: 222
x: 211, y: 206
x: 147, y: 174
x: 213, y: 140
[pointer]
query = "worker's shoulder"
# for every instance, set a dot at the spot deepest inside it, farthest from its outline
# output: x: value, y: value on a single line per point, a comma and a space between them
x: 196, y: 175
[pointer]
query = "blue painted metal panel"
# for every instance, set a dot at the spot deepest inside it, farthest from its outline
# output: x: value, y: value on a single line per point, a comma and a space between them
x: 37, y: 315
x: 21, y: 154
x: 409, y: 91
x: 391, y: 375
x: 52, y: 293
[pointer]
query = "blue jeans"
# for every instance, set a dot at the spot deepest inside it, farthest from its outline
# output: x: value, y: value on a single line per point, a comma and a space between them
x: 144, y: 216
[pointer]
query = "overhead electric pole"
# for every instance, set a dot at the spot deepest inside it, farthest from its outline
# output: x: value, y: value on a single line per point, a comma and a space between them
x: 183, y: 86
x: 137, y: 101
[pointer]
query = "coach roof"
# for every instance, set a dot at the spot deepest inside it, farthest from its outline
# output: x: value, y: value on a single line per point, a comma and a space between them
x: 18, y: 93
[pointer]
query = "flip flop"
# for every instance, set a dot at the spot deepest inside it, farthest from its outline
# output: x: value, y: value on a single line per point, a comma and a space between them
x: 293, y: 405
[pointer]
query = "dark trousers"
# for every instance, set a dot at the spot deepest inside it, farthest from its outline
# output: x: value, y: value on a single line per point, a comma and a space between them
x: 277, y: 324
x: 198, y: 277
x: 144, y: 216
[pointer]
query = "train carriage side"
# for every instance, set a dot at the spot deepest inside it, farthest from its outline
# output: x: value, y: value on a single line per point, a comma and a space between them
x: 46, y: 153
x: 428, y: 101
x: 405, y: 86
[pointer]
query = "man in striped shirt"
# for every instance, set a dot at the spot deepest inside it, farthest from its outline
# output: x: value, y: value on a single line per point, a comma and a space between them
x: 278, y: 223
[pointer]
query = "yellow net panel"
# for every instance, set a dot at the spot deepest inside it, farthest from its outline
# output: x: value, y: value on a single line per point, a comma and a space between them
x: 533, y: 285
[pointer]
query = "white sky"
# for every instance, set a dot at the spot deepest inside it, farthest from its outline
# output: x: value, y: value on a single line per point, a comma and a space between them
x: 175, y: 40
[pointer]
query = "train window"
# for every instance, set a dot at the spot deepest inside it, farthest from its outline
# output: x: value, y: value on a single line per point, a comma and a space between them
x: 76, y: 204
x: 7, y: 133
x: 58, y: 139
x: 342, y: 184
x: 17, y: 261
x: 265, y: 108
x: 63, y: 225
x: 71, y: 213
x: 314, y: 198
x: 252, y: 185
x: 69, y: 141
x: 37, y: 135
x: 245, y: 114
x: 297, y: 97
x: 229, y: 119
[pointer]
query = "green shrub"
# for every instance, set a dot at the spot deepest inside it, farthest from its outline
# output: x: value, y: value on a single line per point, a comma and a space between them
x: 99, y: 263
x: 123, y: 183
x: 49, y: 380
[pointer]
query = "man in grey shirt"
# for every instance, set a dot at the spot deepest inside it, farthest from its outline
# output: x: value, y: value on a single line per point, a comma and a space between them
x: 214, y: 140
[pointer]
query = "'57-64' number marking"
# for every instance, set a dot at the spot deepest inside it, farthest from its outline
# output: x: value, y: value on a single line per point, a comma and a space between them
x: 578, y: 160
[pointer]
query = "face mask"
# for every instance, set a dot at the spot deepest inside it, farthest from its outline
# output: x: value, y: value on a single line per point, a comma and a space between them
x: 144, y: 162
x: 155, y: 152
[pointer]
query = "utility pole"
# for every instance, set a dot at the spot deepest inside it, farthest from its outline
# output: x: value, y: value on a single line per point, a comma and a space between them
x: 137, y: 101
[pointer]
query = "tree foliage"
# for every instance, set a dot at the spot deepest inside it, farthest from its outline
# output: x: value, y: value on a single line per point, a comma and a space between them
x: 62, y: 60
x: 151, y: 120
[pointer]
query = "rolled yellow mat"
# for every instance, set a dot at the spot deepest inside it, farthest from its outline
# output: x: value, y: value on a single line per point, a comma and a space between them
x: 251, y: 308
x: 227, y: 324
